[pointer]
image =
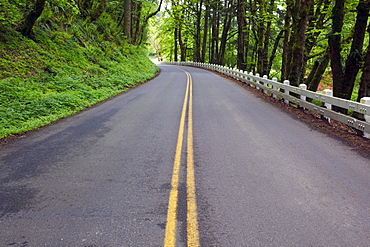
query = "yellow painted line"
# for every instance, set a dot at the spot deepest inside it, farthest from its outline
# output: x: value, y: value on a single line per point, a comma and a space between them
x: 192, y: 221
x: 170, y: 234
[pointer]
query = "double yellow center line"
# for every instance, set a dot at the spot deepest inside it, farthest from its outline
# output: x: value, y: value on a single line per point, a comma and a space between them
x: 192, y: 222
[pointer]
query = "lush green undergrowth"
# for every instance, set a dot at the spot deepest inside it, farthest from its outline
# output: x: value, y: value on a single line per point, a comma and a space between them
x: 60, y: 74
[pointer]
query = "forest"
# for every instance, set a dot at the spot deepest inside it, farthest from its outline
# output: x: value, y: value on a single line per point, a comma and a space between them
x: 60, y: 56
x: 304, y: 41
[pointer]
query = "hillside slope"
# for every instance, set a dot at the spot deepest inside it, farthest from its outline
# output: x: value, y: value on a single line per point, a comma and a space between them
x: 61, y: 73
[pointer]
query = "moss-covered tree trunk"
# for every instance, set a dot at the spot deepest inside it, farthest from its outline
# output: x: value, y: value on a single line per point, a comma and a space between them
x: 29, y: 22
x: 285, y: 56
x: 344, y: 77
x: 335, y: 46
x: 240, y: 11
x: 127, y: 21
x: 365, y: 78
x: 354, y: 59
x: 300, y: 14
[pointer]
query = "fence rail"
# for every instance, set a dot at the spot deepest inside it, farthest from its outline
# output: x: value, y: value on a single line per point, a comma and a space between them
x: 282, y: 90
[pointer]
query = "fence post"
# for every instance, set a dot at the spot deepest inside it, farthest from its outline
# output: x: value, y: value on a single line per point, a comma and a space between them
x: 304, y: 87
x: 264, y: 77
x: 250, y: 78
x: 366, y: 101
x: 273, y: 86
x: 303, y: 97
x: 328, y: 92
x: 258, y: 81
x: 286, y: 82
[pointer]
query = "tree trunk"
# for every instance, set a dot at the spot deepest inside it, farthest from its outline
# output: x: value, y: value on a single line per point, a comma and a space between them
x: 315, y: 25
x: 273, y: 52
x: 261, y: 36
x: 136, y: 22
x: 364, y: 90
x: 225, y: 31
x: 215, y: 32
x: 31, y: 18
x: 316, y: 22
x: 241, y: 63
x: 205, y: 32
x: 365, y: 78
x: 335, y: 47
x: 267, y: 37
x: 247, y: 43
x: 300, y: 14
x: 355, y: 57
x: 182, y: 45
x: 317, y: 71
x: 197, y: 36
x: 175, y: 33
x: 143, y: 24
x: 127, y: 20
x: 344, y: 78
x: 266, y: 45
x: 286, y: 59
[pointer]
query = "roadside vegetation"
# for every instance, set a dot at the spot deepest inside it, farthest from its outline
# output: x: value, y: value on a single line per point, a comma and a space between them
x: 323, y: 43
x: 72, y: 59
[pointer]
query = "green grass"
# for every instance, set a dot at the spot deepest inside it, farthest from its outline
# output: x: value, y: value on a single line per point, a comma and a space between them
x: 57, y: 76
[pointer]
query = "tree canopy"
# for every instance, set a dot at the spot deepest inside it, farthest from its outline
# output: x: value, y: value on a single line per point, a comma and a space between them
x: 305, y: 41
x: 123, y: 19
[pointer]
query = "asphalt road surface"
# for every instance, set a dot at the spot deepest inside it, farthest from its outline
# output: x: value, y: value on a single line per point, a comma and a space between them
x: 187, y: 159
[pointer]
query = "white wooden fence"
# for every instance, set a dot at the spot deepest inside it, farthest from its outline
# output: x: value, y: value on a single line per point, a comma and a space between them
x: 278, y: 89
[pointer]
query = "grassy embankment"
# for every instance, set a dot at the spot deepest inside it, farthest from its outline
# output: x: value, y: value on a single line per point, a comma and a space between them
x: 61, y: 74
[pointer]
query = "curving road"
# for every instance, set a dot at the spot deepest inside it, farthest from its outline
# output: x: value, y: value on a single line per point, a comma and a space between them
x: 119, y: 174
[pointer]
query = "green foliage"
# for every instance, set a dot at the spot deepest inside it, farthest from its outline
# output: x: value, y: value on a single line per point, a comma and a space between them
x: 69, y: 68
x: 259, y: 15
x: 9, y: 12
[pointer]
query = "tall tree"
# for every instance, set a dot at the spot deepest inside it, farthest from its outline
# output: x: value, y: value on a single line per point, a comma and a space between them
x: 127, y: 19
x: 316, y: 25
x: 205, y: 31
x: 365, y: 78
x: 140, y: 21
x: 300, y: 14
x: 344, y: 76
x: 228, y: 15
x: 34, y: 14
x: 242, y: 25
x: 285, y: 64
x: 197, y: 34
x: 215, y: 25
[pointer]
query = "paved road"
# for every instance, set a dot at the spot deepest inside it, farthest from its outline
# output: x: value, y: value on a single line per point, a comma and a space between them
x: 262, y: 178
